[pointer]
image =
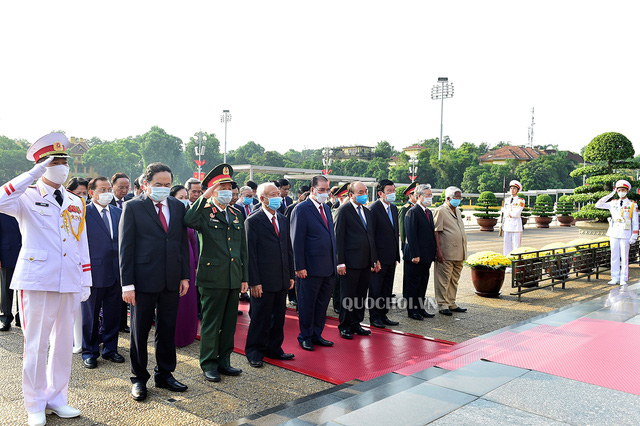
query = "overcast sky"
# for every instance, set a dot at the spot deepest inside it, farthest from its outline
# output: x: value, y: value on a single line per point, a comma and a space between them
x: 300, y: 74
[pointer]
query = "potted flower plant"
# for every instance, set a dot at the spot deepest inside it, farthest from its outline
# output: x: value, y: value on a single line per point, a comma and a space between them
x: 559, y: 266
x: 487, y: 211
x: 487, y: 272
x: 564, y: 211
x: 526, y: 273
x: 543, y: 210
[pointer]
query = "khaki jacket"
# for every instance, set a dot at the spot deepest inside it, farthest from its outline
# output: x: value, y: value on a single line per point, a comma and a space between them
x: 453, y: 239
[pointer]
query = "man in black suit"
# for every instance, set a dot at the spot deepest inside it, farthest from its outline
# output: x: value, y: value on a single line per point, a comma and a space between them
x: 120, y: 188
x: 271, y: 274
x: 303, y: 193
x: 419, y: 253
x: 386, y: 232
x: 10, y: 245
x: 341, y: 197
x: 284, y: 187
x: 357, y: 258
x: 154, y: 269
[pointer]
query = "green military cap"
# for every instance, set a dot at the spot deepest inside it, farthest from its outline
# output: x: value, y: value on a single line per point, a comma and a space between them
x: 220, y: 174
x: 410, y: 188
x: 342, y: 190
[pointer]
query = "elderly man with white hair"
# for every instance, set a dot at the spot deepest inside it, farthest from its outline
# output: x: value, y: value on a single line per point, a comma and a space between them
x: 451, y: 241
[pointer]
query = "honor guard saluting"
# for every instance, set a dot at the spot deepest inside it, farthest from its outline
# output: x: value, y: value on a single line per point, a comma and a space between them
x: 52, y: 275
x: 223, y: 270
x: 410, y: 193
x: 623, y: 230
x: 511, y: 221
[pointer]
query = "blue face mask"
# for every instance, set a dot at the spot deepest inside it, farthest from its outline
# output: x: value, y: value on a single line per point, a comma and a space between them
x: 391, y: 197
x: 247, y: 200
x: 275, y: 203
x: 224, y: 196
x: 185, y: 202
x: 362, y: 199
x: 454, y: 202
x: 159, y: 193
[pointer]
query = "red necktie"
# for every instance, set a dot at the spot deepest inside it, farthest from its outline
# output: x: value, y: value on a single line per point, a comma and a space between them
x: 428, y: 216
x: 163, y: 220
x: 275, y: 226
x: 247, y: 210
x: 324, y: 217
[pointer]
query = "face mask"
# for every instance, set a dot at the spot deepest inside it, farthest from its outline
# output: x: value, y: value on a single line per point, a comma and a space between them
x: 247, y: 200
x: 322, y: 198
x: 454, y: 202
x: 57, y: 174
x: 224, y: 196
x: 622, y: 194
x: 85, y: 198
x: 159, y: 193
x: 362, y: 199
x: 105, y: 198
x: 391, y: 197
x: 427, y: 201
x: 185, y: 202
x: 275, y: 203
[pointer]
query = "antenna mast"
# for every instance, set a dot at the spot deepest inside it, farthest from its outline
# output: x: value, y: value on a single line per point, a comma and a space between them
x: 530, y: 138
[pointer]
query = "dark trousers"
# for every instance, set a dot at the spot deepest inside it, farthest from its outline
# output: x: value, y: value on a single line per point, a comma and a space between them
x: 124, y: 310
x: 6, y: 295
x: 166, y: 304
x: 292, y: 294
x: 266, y: 330
x: 336, y: 293
x: 314, y: 294
x: 380, y: 291
x: 414, y: 285
x: 218, y: 326
x: 353, y: 290
x: 107, y: 298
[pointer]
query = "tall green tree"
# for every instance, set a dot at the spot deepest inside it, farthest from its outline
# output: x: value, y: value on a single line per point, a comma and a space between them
x: 609, y: 147
x: 113, y: 157
x: 158, y: 145
x: 13, y: 158
x: 384, y: 150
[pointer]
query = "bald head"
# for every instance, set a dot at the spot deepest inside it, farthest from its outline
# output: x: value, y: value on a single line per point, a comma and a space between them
x: 358, y: 192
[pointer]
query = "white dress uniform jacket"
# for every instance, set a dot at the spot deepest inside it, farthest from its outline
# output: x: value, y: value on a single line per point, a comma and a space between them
x: 624, y: 218
x: 512, y: 210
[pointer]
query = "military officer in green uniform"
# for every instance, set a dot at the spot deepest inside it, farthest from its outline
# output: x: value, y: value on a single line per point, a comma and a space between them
x: 409, y: 192
x: 222, y: 270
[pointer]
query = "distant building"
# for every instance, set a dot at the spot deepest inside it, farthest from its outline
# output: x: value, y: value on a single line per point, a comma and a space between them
x: 571, y: 156
x: 520, y: 154
x: 76, y: 149
x: 413, y: 150
x: 393, y: 161
x: 360, y: 152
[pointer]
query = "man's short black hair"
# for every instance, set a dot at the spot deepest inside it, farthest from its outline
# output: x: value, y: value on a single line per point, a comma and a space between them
x: 303, y: 189
x: 117, y: 176
x: 94, y: 182
x: 75, y: 182
x: 251, y: 184
x: 234, y: 185
x: 276, y: 183
x: 136, y: 183
x: 316, y: 179
x: 154, y: 168
x: 284, y: 182
x: 382, y: 184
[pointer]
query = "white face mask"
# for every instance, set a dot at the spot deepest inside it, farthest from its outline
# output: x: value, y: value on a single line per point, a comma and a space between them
x: 426, y: 201
x: 622, y: 194
x: 57, y: 174
x: 322, y: 198
x: 105, y: 198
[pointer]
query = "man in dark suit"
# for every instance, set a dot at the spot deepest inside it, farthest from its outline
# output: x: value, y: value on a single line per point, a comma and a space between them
x: 245, y: 202
x: 271, y: 274
x: 419, y: 253
x: 254, y: 187
x: 121, y: 194
x: 314, y: 251
x: 102, y: 221
x: 357, y: 258
x: 284, y: 187
x: 341, y: 197
x: 154, y: 270
x: 10, y: 245
x: 409, y: 192
x: 303, y: 193
x: 386, y: 232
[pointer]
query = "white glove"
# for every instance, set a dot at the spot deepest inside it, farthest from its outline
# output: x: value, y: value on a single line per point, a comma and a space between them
x: 633, y: 239
x: 39, y: 169
x: 86, y: 292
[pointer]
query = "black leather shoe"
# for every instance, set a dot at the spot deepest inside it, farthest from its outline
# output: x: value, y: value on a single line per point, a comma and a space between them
x: 323, y: 342
x: 426, y: 314
x: 446, y: 312
x: 126, y: 329
x: 387, y: 321
x: 5, y: 326
x: 458, y: 309
x: 255, y: 363
x: 415, y: 316
x: 346, y: 334
x: 361, y: 331
x: 114, y: 357
x: 244, y: 297
x: 240, y: 312
x: 90, y: 363
x: 139, y: 391
x: 211, y: 376
x: 377, y: 323
x: 282, y: 357
x: 229, y: 371
x: 307, y: 346
x: 171, y: 384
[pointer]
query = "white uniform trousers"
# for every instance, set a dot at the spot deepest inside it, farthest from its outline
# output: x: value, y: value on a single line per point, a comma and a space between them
x: 77, y: 332
x: 511, y: 241
x: 47, y: 319
x: 619, y: 259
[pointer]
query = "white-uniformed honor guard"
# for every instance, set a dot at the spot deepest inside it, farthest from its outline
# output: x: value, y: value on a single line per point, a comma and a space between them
x: 623, y: 230
x: 511, y: 221
x: 52, y: 276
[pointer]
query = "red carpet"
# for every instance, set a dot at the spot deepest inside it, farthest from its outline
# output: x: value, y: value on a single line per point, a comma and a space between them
x: 363, y: 358
x: 602, y: 353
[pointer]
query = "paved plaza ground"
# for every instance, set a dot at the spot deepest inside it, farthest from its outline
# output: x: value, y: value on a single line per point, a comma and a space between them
x: 103, y: 394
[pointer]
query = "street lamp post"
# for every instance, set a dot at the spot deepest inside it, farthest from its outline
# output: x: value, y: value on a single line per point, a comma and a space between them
x: 442, y: 90
x: 413, y: 168
x: 225, y: 117
x: 326, y: 160
x: 201, y: 138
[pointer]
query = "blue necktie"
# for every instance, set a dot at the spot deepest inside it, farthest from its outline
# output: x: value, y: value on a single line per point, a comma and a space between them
x: 364, y: 222
x: 390, y: 215
x: 106, y: 220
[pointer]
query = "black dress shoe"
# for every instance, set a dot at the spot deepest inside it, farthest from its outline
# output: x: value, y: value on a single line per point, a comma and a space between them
x: 322, y: 342
x: 255, y: 363
x: 114, y: 357
x: 387, y: 321
x: 361, y: 331
x: 229, y: 371
x: 5, y: 326
x: 346, y: 334
x: 244, y: 297
x: 171, y: 384
x: 307, y: 346
x: 415, y: 316
x: 377, y: 323
x: 126, y: 329
x: 211, y: 376
x: 446, y: 312
x: 90, y: 363
x: 426, y: 314
x: 293, y: 302
x: 459, y: 309
x: 139, y: 391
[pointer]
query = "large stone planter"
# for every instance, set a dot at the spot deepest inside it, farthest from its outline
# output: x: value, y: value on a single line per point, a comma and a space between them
x: 487, y: 282
x: 543, y: 222
x: 592, y: 227
x: 487, y: 224
x: 565, y: 220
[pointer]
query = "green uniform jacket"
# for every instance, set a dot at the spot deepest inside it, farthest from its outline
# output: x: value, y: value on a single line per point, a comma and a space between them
x: 401, y: 214
x: 223, y: 253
